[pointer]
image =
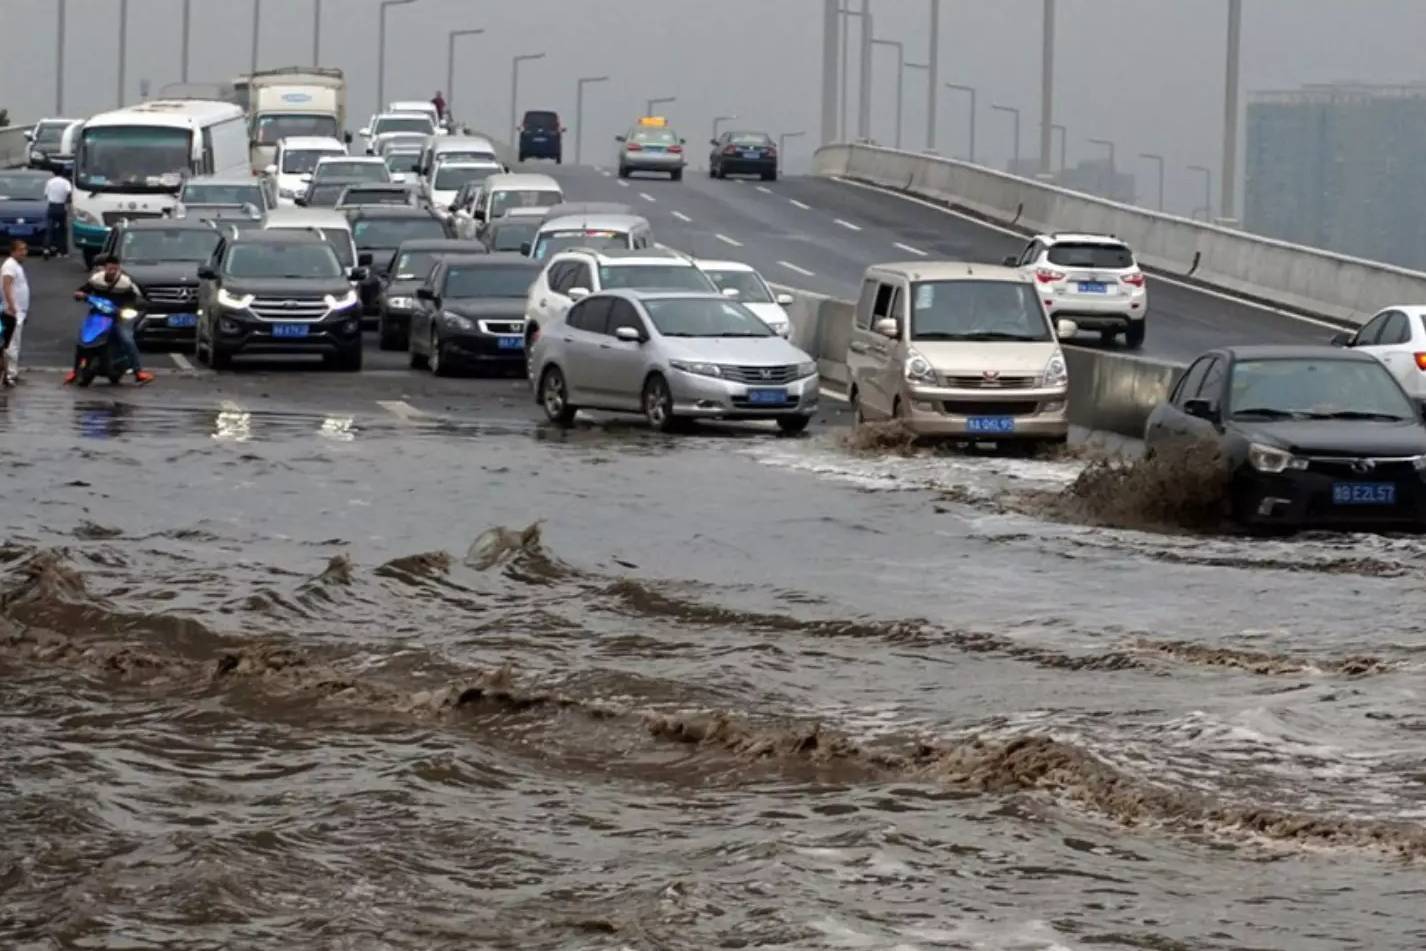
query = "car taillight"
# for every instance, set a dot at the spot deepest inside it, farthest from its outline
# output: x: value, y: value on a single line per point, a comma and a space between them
x: 1421, y: 362
x: 1137, y: 279
x: 634, y: 147
x: 675, y: 148
x: 1046, y: 276
x: 730, y: 150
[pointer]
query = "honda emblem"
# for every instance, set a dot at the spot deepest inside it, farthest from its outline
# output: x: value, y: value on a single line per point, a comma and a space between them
x: 765, y: 373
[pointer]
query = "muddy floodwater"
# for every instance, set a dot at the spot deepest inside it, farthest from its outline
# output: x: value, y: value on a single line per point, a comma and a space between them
x: 291, y: 679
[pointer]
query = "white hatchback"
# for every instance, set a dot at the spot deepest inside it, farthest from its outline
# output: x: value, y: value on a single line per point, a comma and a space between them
x: 1397, y: 337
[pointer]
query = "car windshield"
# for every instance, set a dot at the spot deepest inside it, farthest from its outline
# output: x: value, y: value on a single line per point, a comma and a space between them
x: 489, y: 281
x: 654, y: 136
x: 302, y: 161
x: 170, y: 244
x: 450, y: 178
x: 750, y: 287
x: 324, y: 196
x: 541, y: 121
x: 465, y: 155
x: 506, y: 198
x: 375, y: 196
x: 392, y: 232
x: 754, y: 139
x: 199, y: 193
x: 976, y: 310
x: 352, y: 172
x: 671, y: 277
x: 285, y: 260
x: 397, y: 161
x: 338, y: 239
x: 553, y: 242
x: 133, y: 158
x: 272, y: 128
x: 50, y: 135
x: 1322, y: 388
x: 704, y: 318
x: 513, y: 235
x: 22, y: 187
x: 1105, y: 256
x: 418, y: 124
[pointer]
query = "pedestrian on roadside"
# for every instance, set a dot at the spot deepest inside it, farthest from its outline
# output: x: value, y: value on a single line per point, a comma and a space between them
x: 439, y: 102
x: 58, y: 193
x: 15, y: 297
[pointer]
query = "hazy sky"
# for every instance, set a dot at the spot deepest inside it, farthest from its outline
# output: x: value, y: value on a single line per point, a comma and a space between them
x: 1145, y: 73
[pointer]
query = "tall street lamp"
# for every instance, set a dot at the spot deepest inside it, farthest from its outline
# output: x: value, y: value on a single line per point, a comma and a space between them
x: 186, y: 32
x: 926, y: 66
x: 59, y: 60
x: 1158, y: 160
x: 515, y: 90
x: 1207, y: 191
x: 900, y: 76
x: 123, y: 48
x: 579, y: 112
x: 719, y: 120
x: 451, y: 63
x: 1230, y: 108
x: 782, y: 143
x: 1108, y: 145
x: 847, y: 13
x: 316, y: 32
x: 933, y: 73
x: 381, y: 50
x: 257, y: 24
x: 1047, y: 84
x: 1015, y: 160
x: 971, y: 90
x: 660, y: 101
x: 1064, y: 142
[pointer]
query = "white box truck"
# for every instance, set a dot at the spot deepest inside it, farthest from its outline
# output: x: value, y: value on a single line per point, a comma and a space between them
x: 291, y: 101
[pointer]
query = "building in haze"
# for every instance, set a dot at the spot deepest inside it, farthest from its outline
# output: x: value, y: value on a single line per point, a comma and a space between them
x: 1339, y: 167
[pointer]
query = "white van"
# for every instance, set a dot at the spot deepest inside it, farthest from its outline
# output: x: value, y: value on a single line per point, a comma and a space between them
x: 130, y: 163
x: 294, y: 161
x: 500, y: 193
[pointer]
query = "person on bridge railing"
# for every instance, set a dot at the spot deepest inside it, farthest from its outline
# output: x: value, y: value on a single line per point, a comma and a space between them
x: 58, y: 193
x: 439, y: 102
x: 14, y: 306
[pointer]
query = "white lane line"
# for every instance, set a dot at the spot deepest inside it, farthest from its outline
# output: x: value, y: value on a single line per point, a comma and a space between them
x: 910, y: 250
x: 831, y: 394
x: 682, y: 217
x: 727, y: 240
x: 1197, y: 288
x: 847, y: 224
x: 401, y: 409
x: 765, y: 190
x: 623, y: 184
x: 647, y: 197
x: 796, y: 270
x: 182, y: 361
x: 798, y: 204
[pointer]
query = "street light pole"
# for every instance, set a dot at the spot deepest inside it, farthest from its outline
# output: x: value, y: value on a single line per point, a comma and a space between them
x: 1230, y: 108
x: 381, y: 50
x: 900, y: 80
x: 257, y: 25
x: 847, y: 13
x: 659, y: 101
x: 515, y: 90
x: 579, y: 113
x: 782, y: 146
x: 864, y: 74
x: 123, y: 49
x: 187, y: 32
x: 719, y: 120
x: 1015, y: 161
x: 316, y: 32
x: 59, y: 60
x: 1159, y: 159
x: 925, y: 66
x: 971, y: 90
x: 451, y: 63
x: 933, y: 74
x: 1047, y: 86
x: 830, y: 23
x: 1110, y: 146
x: 1207, y: 191
x: 1064, y: 140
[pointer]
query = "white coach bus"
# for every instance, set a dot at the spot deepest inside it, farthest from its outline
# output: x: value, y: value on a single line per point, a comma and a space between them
x: 130, y: 163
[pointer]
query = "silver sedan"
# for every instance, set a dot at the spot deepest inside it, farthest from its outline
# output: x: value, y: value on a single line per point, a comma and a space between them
x: 672, y: 356
x: 651, y: 149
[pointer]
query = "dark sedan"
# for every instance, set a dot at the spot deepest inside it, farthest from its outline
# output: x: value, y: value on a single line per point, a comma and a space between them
x: 743, y: 153
x: 23, y: 211
x: 378, y: 230
x: 406, y: 275
x: 162, y: 256
x: 472, y: 313
x: 1312, y: 436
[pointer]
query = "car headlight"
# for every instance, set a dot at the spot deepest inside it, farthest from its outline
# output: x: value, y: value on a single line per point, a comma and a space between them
x: 805, y: 370
x: 697, y: 369
x: 1272, y: 459
x: 128, y: 313
x: 349, y: 299
x: 458, y: 321
x: 233, y: 302
x: 86, y: 217
x: 1056, y: 373
x: 401, y: 303
x: 918, y: 369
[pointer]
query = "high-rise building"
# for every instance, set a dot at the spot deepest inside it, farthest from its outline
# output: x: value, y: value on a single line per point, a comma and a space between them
x: 1340, y: 167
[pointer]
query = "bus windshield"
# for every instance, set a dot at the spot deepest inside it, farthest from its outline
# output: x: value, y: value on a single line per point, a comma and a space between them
x: 133, y: 159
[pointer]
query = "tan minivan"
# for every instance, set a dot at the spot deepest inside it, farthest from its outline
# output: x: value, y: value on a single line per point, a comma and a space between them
x: 955, y: 349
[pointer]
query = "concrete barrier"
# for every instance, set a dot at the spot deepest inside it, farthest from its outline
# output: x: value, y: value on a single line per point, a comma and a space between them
x: 14, y: 148
x: 1307, y: 280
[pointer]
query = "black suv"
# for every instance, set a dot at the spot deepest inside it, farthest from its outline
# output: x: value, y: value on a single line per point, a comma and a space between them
x: 162, y: 256
x: 378, y: 230
x: 277, y: 292
x: 541, y: 136
x: 405, y: 275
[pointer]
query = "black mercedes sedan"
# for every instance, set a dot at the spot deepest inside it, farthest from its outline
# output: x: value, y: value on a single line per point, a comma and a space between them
x: 162, y: 256
x: 1312, y: 436
x: 405, y: 275
x: 472, y: 313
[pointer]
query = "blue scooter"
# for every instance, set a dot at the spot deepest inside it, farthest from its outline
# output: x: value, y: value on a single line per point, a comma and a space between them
x: 99, y: 352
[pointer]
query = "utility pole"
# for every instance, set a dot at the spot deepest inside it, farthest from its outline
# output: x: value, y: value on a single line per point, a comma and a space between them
x: 1064, y: 143
x: 934, y: 75
x: 381, y: 50
x: 1014, y: 162
x: 257, y: 25
x: 123, y: 50
x: 451, y: 64
x: 579, y: 112
x: 829, y: 71
x: 1158, y: 160
x: 59, y: 60
x: 187, y: 34
x: 1047, y: 87
x: 515, y: 92
x: 971, y: 91
x: 1230, y: 110
x: 1207, y: 192
x: 316, y: 32
x: 864, y: 75
x: 900, y: 81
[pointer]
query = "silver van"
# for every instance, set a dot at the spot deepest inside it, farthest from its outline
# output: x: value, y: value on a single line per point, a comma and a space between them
x: 953, y: 349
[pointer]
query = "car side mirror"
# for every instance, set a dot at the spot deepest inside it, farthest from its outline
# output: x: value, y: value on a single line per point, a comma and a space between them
x: 270, y: 170
x: 620, y: 138
x: 366, y: 132
x: 1343, y: 339
x: 206, y: 273
x: 306, y: 177
x: 29, y: 135
x: 1011, y: 261
x: 1066, y: 328
x: 1202, y: 409
x: 478, y: 214
x: 347, y: 137
x: 785, y: 300
x: 360, y: 274
x: 628, y: 335
x: 300, y: 201
x: 887, y: 327
x: 732, y: 293
x: 682, y: 141
x: 525, y: 248
x: 577, y: 293
x: 713, y: 142
x: 364, y: 260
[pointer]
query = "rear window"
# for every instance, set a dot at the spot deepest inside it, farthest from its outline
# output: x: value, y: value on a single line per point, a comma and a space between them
x: 490, y: 281
x: 353, y: 171
x: 674, y: 277
x: 553, y: 242
x: 512, y: 235
x: 751, y: 138
x: 654, y: 136
x: 1092, y: 255
x: 391, y: 232
x: 542, y: 120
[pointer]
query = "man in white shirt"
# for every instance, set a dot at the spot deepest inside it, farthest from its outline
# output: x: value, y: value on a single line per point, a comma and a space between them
x: 57, y: 194
x: 15, y: 298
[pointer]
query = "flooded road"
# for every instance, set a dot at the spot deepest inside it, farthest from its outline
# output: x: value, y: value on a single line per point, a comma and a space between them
x: 427, y: 675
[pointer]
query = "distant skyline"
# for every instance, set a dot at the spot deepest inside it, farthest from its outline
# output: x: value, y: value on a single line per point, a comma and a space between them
x: 1146, y: 74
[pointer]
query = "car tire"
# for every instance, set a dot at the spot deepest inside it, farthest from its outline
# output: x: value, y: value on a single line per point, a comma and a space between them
x: 623, y: 171
x: 439, y: 364
x: 417, y: 361
x: 554, y: 397
x: 712, y: 172
x: 769, y: 176
x: 858, y: 417
x: 348, y: 360
x: 218, y: 358
x: 794, y: 425
x: 1134, y: 336
x: 722, y: 173
x: 676, y: 176
x: 388, y: 339
x: 657, y: 401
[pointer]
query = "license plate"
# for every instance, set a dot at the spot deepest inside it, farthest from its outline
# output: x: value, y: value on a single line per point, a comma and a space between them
x: 767, y: 396
x: 510, y: 343
x: 752, y: 154
x: 653, y: 148
x: 290, y: 330
x: 1364, y: 493
x: 183, y: 320
x: 990, y: 424
x: 1093, y: 287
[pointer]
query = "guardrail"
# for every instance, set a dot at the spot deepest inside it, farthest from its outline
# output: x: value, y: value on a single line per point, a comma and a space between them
x: 1319, y: 283
x: 13, y: 145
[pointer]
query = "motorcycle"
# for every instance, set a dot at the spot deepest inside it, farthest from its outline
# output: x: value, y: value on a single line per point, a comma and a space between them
x: 99, y: 351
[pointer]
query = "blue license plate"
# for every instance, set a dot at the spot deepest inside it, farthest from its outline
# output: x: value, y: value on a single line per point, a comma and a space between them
x: 1093, y: 287
x: 510, y: 343
x: 183, y: 320
x: 990, y: 424
x: 753, y: 153
x: 767, y: 396
x: 290, y: 330
x: 653, y: 148
x: 1364, y: 493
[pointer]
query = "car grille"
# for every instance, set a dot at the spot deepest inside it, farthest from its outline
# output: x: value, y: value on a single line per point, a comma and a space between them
x: 287, y: 308
x: 760, y: 376
x: 170, y: 293
x: 990, y: 408
x: 111, y: 218
x: 1351, y: 468
x: 502, y: 327
x: 980, y: 382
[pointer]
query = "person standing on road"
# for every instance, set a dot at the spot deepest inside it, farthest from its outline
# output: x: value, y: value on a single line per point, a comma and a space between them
x: 439, y: 102
x: 15, y: 296
x: 112, y: 283
x: 58, y: 193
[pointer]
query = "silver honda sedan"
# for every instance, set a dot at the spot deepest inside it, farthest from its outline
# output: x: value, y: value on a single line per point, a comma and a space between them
x: 673, y: 356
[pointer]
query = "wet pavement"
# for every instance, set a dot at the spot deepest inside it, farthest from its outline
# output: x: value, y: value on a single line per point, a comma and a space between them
x: 383, y: 662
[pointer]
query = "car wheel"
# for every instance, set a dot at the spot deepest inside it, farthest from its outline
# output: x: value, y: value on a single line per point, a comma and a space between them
x: 658, y: 405
x: 676, y: 175
x: 1134, y: 336
x: 437, y: 361
x: 218, y: 358
x: 793, y: 425
x: 554, y: 397
x: 623, y: 172
x: 349, y: 360
x: 858, y: 417
x: 388, y: 338
x: 722, y: 172
x: 417, y: 361
x: 712, y: 171
x: 769, y: 176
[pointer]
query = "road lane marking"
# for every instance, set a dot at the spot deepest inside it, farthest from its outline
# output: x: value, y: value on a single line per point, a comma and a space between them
x: 182, y: 361
x: 623, y: 184
x: 682, y: 217
x: 910, y: 250
x: 647, y: 197
x: 765, y: 190
x: 798, y: 204
x: 848, y: 225
x: 402, y: 410
x: 727, y: 240
x: 795, y: 269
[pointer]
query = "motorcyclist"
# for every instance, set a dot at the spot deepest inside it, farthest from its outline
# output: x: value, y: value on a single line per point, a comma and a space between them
x: 111, y: 283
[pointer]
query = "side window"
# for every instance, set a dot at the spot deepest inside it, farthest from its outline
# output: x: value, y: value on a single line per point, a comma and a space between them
x: 559, y: 276
x: 623, y: 314
x: 583, y: 276
x: 1188, y: 385
x: 593, y: 315
x: 1212, y: 386
x: 897, y: 308
x: 882, y: 306
x: 864, y: 305
x: 1032, y: 251
x: 1396, y: 331
x: 1367, y: 336
x: 205, y: 166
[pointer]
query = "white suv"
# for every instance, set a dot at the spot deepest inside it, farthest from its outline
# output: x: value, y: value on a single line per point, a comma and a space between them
x: 1091, y: 279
